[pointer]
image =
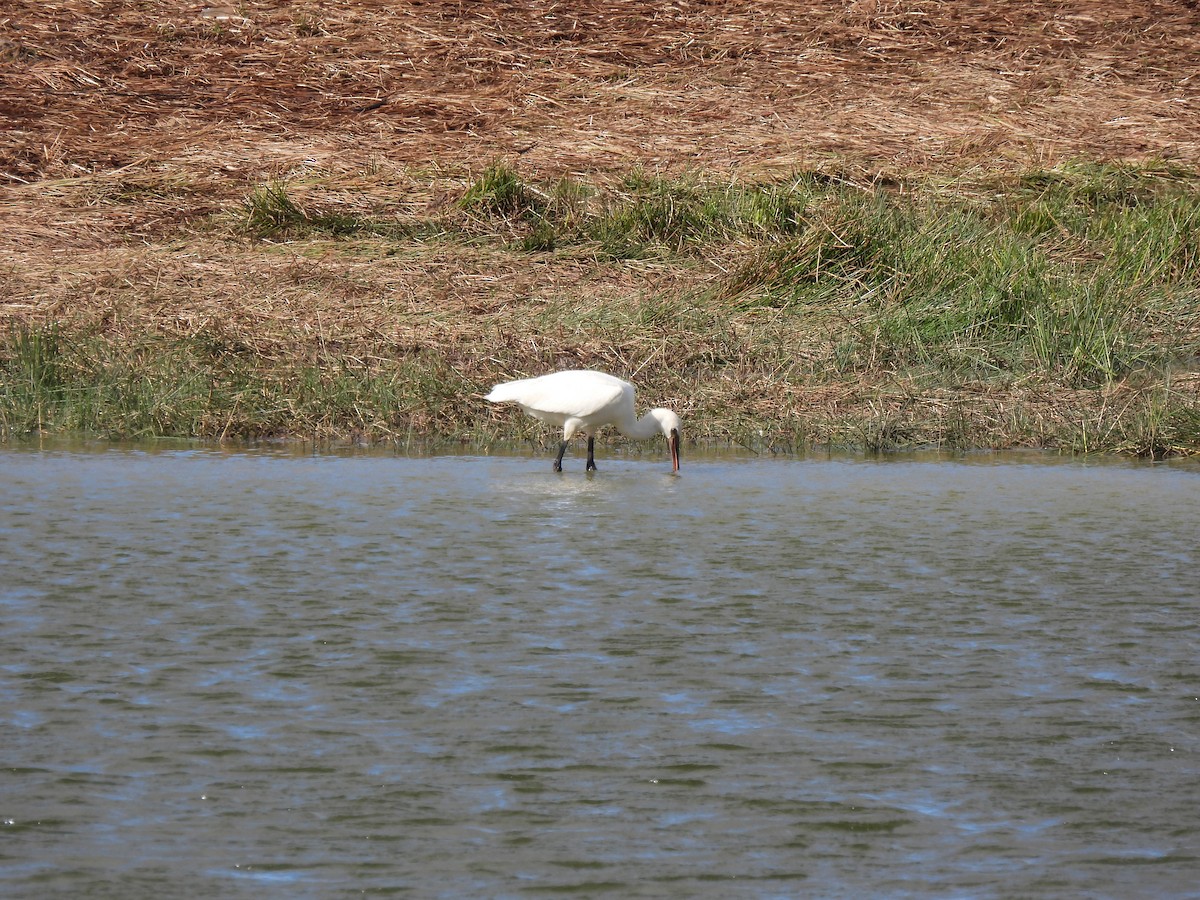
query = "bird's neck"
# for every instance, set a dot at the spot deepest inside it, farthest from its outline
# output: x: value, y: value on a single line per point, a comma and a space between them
x: 639, y: 429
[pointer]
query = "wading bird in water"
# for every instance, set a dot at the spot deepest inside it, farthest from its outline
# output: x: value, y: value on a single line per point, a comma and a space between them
x: 584, y: 401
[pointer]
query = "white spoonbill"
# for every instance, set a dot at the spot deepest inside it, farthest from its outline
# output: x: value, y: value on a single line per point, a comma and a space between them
x: 584, y: 401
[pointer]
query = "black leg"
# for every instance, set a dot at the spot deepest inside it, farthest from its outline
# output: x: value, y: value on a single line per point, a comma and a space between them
x: 562, y: 448
x: 591, y: 465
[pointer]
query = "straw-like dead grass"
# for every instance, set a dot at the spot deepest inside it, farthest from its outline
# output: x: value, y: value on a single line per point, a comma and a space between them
x: 259, y: 86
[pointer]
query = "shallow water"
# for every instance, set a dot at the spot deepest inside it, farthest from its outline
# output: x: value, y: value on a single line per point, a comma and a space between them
x: 262, y: 674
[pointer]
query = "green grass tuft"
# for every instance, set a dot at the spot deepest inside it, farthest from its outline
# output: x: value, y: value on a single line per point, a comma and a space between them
x: 500, y: 191
x: 270, y: 212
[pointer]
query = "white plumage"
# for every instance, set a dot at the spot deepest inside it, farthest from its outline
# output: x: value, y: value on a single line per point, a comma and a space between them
x: 584, y: 401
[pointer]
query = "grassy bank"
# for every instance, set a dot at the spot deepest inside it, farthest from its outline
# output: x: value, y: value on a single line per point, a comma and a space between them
x: 1055, y: 309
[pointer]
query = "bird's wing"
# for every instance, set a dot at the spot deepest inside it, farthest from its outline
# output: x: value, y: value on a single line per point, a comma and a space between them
x: 573, y: 394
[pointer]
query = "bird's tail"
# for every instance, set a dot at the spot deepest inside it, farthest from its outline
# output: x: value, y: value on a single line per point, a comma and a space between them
x: 503, y: 393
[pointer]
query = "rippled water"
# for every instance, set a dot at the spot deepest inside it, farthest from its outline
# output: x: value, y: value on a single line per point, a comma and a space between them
x: 258, y: 674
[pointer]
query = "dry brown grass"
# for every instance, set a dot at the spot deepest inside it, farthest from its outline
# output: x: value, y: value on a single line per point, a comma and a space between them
x: 257, y: 87
x: 189, y: 103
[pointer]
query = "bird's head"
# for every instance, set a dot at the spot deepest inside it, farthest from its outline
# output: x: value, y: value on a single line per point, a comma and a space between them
x: 672, y: 430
